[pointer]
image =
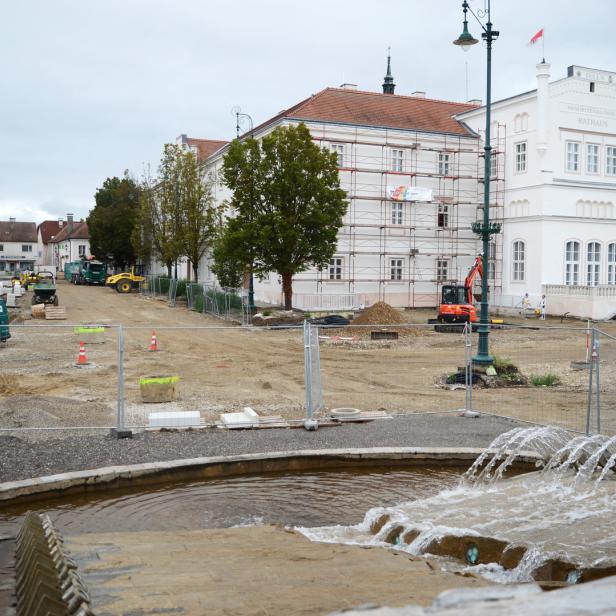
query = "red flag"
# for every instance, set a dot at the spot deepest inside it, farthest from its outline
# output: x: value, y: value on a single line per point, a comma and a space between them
x: 536, y: 37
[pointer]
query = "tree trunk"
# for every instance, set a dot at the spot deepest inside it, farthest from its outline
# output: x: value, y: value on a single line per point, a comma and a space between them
x: 195, y: 267
x: 287, y: 289
x: 169, y: 269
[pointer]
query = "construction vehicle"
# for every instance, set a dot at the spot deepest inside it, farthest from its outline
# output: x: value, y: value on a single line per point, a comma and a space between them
x: 44, y: 293
x: 90, y: 271
x: 456, y: 307
x: 124, y: 282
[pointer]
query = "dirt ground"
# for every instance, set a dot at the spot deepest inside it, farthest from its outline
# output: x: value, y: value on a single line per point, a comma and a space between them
x: 223, y: 368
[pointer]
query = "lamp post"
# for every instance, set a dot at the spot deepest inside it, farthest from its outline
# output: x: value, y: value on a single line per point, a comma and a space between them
x: 251, y: 281
x: 484, y: 229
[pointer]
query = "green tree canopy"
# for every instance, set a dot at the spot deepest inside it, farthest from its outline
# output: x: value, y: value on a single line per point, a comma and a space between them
x: 112, y: 221
x: 287, y: 205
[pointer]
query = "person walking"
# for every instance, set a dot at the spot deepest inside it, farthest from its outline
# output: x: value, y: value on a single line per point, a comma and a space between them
x: 542, y: 307
x: 525, y: 305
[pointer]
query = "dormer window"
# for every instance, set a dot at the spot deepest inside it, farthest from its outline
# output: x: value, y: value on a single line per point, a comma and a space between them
x: 592, y: 86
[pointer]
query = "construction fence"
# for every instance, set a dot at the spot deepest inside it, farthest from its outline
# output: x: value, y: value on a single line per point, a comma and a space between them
x: 227, y: 304
x: 137, y: 378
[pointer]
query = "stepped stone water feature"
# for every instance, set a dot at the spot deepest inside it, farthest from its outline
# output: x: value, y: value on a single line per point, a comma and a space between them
x: 554, y: 525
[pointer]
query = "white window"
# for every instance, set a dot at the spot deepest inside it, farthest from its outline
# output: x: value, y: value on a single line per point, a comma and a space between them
x: 493, y: 165
x: 593, y: 258
x: 443, y: 163
x: 339, y: 149
x: 397, y: 160
x: 518, y: 261
x: 335, y: 268
x: 573, y: 156
x: 442, y: 267
x: 397, y: 213
x: 592, y: 158
x: 26, y: 248
x: 520, y: 157
x: 611, y: 263
x: 82, y: 250
x: 442, y: 217
x: 572, y: 263
x: 610, y: 160
x: 395, y: 269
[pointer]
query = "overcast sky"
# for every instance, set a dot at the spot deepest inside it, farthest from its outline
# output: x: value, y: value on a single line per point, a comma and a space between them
x: 94, y: 87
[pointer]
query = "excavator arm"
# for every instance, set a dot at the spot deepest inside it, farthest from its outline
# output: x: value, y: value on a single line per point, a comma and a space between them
x: 477, y: 269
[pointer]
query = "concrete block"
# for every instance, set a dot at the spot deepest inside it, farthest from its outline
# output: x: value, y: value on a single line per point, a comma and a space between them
x: 174, y: 419
x: 159, y: 388
x: 11, y: 300
x: 240, y: 420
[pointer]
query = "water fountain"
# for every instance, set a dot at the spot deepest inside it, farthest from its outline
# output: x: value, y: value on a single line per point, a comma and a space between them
x: 555, y: 524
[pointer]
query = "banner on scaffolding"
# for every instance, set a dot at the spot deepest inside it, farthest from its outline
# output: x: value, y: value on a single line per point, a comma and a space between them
x: 409, y: 193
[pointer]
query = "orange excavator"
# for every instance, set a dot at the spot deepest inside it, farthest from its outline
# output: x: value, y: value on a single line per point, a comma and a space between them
x: 456, y: 307
x: 457, y: 300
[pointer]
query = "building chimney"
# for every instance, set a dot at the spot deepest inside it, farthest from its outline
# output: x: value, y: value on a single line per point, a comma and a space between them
x: 419, y: 94
x: 69, y: 222
x: 348, y: 86
x: 11, y: 219
x: 475, y: 101
x: 60, y: 223
x: 543, y: 103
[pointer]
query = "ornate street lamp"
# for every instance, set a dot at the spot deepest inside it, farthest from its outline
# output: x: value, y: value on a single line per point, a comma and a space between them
x: 484, y: 229
x: 239, y: 116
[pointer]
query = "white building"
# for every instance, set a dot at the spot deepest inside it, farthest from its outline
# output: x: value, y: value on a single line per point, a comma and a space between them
x: 70, y: 243
x: 18, y: 246
x: 391, y: 248
x: 559, y: 232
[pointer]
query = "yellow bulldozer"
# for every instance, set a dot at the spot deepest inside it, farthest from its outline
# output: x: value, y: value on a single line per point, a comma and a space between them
x: 124, y: 282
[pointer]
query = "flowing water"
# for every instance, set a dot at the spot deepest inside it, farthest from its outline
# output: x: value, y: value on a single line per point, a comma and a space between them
x: 564, y: 511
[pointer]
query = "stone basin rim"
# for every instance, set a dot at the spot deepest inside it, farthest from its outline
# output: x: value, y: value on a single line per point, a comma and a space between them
x: 211, y: 467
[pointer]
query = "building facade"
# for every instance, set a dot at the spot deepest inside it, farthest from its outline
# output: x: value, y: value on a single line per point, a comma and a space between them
x: 71, y: 243
x: 18, y: 247
x: 559, y: 231
x: 46, y: 232
x: 413, y: 178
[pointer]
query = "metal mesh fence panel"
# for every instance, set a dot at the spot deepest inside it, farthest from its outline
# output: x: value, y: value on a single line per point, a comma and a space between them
x: 197, y: 373
x: 605, y: 402
x: 392, y: 368
x: 51, y: 382
x: 541, y: 376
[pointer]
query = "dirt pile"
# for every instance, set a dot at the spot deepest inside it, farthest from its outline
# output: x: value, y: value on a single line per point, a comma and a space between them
x: 379, y: 314
x: 382, y: 314
x: 9, y: 385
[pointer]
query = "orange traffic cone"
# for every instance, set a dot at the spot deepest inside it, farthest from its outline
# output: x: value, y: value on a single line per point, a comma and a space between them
x: 82, y: 360
x: 153, y: 344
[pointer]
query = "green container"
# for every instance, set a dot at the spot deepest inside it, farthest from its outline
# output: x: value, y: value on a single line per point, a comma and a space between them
x: 4, y: 322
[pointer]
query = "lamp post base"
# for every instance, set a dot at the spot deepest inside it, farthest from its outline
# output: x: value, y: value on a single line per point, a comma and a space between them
x: 483, y: 360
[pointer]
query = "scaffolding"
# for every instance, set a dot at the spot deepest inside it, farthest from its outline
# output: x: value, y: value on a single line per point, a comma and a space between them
x: 429, y: 234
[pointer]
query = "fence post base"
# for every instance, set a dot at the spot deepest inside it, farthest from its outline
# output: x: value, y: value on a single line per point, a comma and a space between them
x: 311, y: 424
x: 121, y: 433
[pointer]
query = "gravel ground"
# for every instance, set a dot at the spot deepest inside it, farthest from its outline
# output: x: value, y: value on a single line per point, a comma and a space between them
x: 23, y: 459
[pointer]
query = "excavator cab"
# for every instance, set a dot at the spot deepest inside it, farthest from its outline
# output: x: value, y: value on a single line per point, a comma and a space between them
x: 453, y: 294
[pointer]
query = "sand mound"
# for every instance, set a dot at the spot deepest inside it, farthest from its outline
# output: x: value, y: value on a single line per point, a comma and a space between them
x: 379, y: 314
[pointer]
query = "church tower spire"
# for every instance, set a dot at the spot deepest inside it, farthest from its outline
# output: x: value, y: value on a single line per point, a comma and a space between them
x: 388, y: 85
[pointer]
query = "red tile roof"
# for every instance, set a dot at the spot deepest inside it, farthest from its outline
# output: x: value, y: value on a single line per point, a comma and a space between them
x: 387, y: 110
x: 76, y: 231
x: 48, y: 229
x: 13, y: 231
x: 205, y: 147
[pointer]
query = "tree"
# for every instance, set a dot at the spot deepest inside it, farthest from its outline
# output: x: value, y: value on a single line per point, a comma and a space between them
x: 287, y: 204
x: 112, y: 221
x: 200, y: 219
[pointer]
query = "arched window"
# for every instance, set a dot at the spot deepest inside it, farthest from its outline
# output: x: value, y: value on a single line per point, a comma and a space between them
x: 611, y: 263
x: 572, y: 263
x: 593, y: 259
x: 519, y: 255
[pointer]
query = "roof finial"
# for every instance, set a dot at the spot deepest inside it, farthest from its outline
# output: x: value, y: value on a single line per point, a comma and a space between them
x: 388, y: 85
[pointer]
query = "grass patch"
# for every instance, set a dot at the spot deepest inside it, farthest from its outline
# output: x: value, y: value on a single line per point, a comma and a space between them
x: 544, y: 380
x: 503, y: 365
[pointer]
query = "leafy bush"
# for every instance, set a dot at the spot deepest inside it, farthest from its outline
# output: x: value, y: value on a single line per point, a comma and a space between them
x: 181, y: 289
x: 266, y: 313
x: 544, y: 380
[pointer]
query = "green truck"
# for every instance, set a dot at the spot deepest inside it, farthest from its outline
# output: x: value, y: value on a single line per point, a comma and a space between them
x: 88, y: 271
